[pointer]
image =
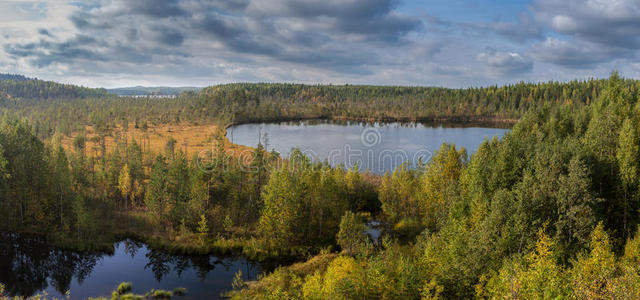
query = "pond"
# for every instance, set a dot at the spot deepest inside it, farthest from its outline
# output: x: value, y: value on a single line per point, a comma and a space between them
x: 378, y: 147
x: 28, y: 266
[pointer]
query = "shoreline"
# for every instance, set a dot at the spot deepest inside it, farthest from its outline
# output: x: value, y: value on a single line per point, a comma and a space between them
x: 241, y: 246
x: 491, y: 122
x: 454, y: 122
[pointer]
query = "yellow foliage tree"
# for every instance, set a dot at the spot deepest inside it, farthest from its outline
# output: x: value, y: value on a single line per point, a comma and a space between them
x: 592, y: 275
x: 124, y: 184
x: 537, y: 276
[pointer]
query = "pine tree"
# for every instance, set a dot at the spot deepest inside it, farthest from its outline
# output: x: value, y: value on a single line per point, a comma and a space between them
x: 62, y: 178
x: 227, y: 225
x: 627, y: 156
x: 351, y: 236
x: 178, y: 187
x: 576, y: 204
x: 156, y: 197
x: 203, y: 229
x: 280, y: 218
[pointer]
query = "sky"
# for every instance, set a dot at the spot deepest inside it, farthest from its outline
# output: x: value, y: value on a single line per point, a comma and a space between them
x: 451, y: 43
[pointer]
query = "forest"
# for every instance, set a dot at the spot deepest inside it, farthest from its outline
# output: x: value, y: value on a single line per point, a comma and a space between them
x: 548, y: 211
x: 74, y: 107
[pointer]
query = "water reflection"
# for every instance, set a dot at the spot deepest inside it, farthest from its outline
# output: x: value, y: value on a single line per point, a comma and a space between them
x: 28, y: 265
x: 377, y: 147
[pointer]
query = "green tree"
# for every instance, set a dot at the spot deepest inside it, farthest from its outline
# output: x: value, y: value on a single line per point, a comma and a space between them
x: 280, y: 216
x: 351, y: 237
x: 178, y: 187
x: 84, y: 218
x: 227, y: 225
x: 61, y: 174
x: 157, y: 197
x: 170, y: 148
x: 439, y: 185
x: 576, y: 207
x: 627, y: 156
x: 203, y: 229
x: 398, y: 194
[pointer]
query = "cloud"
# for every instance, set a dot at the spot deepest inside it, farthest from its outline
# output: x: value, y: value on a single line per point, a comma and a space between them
x: 44, y: 32
x: 505, y: 63
x: 201, y: 42
x: 575, y: 34
x: 604, y: 22
x: 574, y: 53
x: 524, y: 30
x: 591, y: 32
x: 339, y: 36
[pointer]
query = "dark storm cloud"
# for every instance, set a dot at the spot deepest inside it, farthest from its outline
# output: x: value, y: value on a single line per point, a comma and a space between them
x: 44, y: 53
x: 213, y: 24
x: 165, y: 35
x: 373, y: 18
x: 155, y: 8
x: 77, y: 50
x: 320, y: 34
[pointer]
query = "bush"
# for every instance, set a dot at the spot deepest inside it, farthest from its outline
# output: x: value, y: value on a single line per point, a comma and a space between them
x: 131, y: 296
x: 123, y: 288
x: 161, y: 294
x: 351, y: 236
x: 179, y: 291
x: 408, y: 228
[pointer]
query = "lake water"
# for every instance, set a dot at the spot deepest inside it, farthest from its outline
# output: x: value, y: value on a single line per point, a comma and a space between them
x: 29, y: 266
x: 378, y: 147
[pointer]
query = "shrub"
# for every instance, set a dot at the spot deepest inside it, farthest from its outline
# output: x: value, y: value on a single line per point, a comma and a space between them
x: 351, y: 236
x: 123, y: 288
x: 408, y: 228
x: 130, y: 296
x: 161, y: 294
x: 179, y: 291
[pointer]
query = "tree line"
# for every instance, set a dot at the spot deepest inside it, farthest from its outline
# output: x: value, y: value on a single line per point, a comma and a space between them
x: 550, y: 210
x: 68, y: 108
x: 19, y: 88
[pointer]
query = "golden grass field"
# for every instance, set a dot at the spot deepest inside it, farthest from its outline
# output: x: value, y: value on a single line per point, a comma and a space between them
x: 191, y: 139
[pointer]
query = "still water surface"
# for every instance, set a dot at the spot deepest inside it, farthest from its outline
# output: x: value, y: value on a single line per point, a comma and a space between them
x: 379, y: 147
x: 29, y: 266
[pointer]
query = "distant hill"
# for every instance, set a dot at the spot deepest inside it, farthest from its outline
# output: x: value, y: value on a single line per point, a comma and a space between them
x: 160, y: 90
x: 20, y: 87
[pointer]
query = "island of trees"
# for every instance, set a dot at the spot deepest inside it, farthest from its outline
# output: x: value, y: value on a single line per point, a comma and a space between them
x: 548, y: 211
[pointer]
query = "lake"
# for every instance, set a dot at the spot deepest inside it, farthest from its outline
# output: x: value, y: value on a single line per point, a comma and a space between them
x: 29, y: 266
x: 378, y: 147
